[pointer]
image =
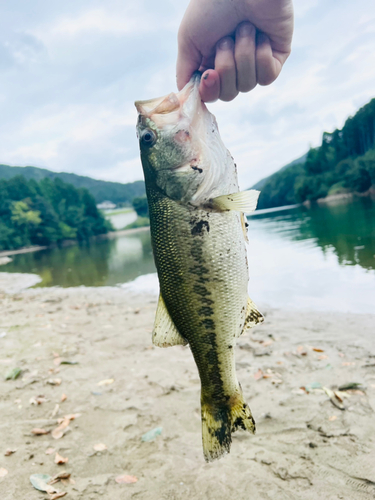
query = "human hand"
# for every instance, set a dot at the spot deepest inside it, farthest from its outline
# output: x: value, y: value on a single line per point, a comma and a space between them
x: 236, y: 44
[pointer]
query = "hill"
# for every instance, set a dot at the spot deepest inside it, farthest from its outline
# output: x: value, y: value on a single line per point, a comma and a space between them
x: 345, y: 162
x: 100, y: 190
x: 260, y: 184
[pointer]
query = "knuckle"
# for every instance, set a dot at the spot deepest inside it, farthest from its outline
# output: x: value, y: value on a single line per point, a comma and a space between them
x: 228, y: 96
x: 246, y: 86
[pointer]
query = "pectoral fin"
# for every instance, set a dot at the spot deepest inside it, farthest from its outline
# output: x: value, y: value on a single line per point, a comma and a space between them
x: 243, y: 201
x: 165, y: 333
x: 253, y: 316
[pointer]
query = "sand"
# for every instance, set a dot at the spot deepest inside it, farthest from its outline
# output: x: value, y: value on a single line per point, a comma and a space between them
x: 304, y: 448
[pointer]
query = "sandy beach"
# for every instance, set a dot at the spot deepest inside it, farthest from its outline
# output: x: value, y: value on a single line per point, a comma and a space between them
x: 119, y: 387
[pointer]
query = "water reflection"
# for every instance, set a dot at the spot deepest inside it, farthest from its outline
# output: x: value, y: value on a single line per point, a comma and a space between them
x: 315, y: 258
x: 107, y: 262
x: 346, y: 228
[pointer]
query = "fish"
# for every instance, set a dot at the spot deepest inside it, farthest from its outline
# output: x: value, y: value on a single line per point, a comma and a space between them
x: 199, y: 237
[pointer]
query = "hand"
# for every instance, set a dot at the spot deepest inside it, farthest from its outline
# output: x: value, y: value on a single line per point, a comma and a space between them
x: 235, y: 43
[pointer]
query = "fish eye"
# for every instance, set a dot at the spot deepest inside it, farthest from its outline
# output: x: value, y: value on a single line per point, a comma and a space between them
x: 148, y: 137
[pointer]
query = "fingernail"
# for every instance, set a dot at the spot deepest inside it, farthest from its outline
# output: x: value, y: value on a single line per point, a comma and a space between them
x: 246, y: 30
x: 225, y: 44
x: 208, y: 81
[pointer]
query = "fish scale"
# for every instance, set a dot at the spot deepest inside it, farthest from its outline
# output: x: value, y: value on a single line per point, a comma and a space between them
x: 219, y: 248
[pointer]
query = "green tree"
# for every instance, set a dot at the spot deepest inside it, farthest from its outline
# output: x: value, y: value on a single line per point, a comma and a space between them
x: 140, y: 205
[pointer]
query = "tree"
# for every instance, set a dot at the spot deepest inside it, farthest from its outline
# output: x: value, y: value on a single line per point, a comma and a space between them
x: 140, y: 205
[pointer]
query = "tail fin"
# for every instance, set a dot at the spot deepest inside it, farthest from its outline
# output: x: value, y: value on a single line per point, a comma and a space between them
x: 218, y: 423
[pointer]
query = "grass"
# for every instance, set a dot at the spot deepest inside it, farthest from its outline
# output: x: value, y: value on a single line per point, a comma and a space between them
x: 140, y: 222
x: 118, y: 212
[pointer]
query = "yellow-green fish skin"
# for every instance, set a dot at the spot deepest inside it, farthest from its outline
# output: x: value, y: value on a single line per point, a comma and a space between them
x: 201, y: 261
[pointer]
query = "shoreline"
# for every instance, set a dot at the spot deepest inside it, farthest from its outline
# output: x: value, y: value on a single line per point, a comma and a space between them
x: 110, y: 235
x: 333, y: 198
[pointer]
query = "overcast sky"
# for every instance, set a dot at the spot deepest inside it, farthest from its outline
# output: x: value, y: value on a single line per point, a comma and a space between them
x: 70, y: 72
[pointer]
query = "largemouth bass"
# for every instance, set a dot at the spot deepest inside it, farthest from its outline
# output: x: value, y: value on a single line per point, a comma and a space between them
x: 199, y: 243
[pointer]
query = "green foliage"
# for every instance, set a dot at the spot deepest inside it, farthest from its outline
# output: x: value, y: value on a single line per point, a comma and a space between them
x: 122, y: 194
x: 139, y: 222
x: 277, y: 190
x: 140, y: 205
x: 33, y: 213
x: 345, y: 162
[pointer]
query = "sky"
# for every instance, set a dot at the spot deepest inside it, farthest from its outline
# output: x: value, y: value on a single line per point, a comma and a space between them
x: 70, y: 72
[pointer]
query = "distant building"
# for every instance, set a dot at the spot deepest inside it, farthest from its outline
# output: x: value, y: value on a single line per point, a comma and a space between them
x: 106, y: 205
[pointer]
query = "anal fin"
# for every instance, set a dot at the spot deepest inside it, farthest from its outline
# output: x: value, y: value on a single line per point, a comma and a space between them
x: 253, y: 316
x: 165, y: 333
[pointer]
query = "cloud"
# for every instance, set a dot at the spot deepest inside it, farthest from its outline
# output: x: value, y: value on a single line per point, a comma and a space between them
x: 70, y: 72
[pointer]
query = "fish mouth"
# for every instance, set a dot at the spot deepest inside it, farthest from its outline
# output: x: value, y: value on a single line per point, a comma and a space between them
x: 170, y: 109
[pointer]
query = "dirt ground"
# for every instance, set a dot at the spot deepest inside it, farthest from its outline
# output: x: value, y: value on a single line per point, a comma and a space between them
x: 121, y: 387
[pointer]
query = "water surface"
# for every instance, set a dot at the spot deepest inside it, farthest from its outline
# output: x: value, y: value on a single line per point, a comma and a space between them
x: 320, y: 258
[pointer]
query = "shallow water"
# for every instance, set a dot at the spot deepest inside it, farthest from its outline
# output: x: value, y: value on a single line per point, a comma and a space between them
x: 321, y: 258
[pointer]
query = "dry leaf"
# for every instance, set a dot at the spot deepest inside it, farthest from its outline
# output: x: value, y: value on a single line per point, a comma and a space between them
x: 348, y: 363
x: 63, y: 424
x: 39, y: 432
x: 316, y: 349
x: 3, y: 472
x: 258, y: 375
x: 58, y: 495
x: 49, y: 451
x: 63, y: 397
x: 100, y: 447
x: 10, y: 451
x: 126, y: 479
x: 341, y: 395
x: 276, y: 381
x: 267, y: 343
x: 107, y: 381
x: 357, y: 391
x: 38, y: 400
x: 332, y: 418
x: 60, y: 460
x: 323, y: 356
x: 39, y: 481
x: 63, y: 475
x: 57, y: 361
x: 72, y: 416
x: 54, y: 381
x: 56, y: 354
x: 55, y: 411
x: 59, y: 431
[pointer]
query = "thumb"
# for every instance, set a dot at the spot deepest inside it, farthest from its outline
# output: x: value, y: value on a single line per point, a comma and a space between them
x: 188, y: 60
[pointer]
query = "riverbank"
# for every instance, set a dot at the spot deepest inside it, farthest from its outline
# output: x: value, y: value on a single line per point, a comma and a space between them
x: 66, y: 243
x: 344, y: 197
x: 86, y: 353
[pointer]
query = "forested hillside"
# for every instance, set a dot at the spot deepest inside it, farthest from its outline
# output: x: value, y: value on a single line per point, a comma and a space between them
x: 345, y: 162
x: 45, y: 212
x: 101, y: 190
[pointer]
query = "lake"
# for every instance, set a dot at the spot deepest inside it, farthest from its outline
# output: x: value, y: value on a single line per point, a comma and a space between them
x: 320, y: 258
